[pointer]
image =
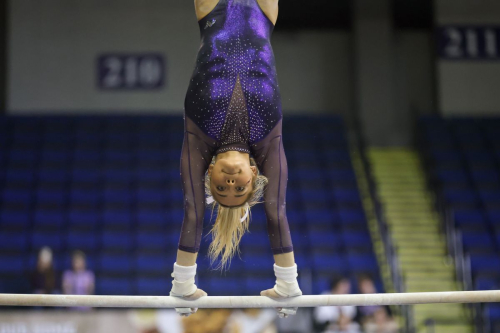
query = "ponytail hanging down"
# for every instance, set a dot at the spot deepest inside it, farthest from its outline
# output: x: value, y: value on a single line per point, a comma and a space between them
x: 231, y: 223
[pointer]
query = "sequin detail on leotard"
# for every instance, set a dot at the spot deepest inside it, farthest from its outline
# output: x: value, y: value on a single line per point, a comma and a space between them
x: 235, y: 132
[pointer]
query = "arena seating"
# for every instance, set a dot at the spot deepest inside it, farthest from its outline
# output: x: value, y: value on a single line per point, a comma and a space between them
x: 463, y: 159
x: 109, y: 185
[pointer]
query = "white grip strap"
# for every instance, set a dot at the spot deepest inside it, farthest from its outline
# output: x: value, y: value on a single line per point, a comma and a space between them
x: 287, y: 289
x: 286, y: 281
x: 183, y: 289
x: 183, y: 283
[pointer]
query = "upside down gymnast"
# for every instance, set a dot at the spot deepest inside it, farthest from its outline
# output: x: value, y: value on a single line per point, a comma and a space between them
x: 233, y: 153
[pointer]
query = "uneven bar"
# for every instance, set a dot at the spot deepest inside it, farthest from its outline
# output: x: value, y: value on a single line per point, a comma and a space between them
x: 248, y: 301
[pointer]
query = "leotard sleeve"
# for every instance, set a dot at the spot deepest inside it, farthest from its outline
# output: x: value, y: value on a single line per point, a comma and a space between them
x: 270, y: 157
x: 197, y: 152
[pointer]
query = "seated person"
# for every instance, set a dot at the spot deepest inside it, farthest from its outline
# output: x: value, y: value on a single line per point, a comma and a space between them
x: 336, y: 319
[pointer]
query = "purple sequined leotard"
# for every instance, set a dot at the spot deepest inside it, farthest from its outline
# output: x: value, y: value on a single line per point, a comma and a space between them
x: 233, y: 103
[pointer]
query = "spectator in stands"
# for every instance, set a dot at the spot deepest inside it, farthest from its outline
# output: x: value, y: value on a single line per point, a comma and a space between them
x: 336, y: 319
x: 374, y: 318
x: 43, y: 278
x: 79, y: 280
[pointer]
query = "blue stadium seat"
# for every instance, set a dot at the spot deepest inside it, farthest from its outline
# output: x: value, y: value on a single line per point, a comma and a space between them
x: 352, y: 216
x: 478, y: 242
x: 114, y: 286
x: 483, y: 264
x: 115, y: 264
x: 363, y: 263
x: 85, y: 241
x: 341, y: 175
x: 85, y: 175
x: 302, y: 260
x: 494, y: 216
x: 325, y: 240
x: 347, y: 195
x: 83, y: 219
x: 117, y: 240
x: 53, y: 175
x: 487, y: 283
x: 490, y: 198
x: 493, y: 313
x: 14, y: 241
x: 255, y: 240
x: 50, y: 219
x: 357, y: 240
x: 326, y: 216
x: 156, y: 241
x: 52, y: 196
x: 153, y: 218
x: 453, y: 157
x: 119, y: 195
x: 153, y: 286
x: 157, y: 264
x: 176, y: 216
x: 460, y: 196
x: 12, y: 195
x: 223, y: 286
x: 469, y: 219
x: 25, y: 155
x: 254, y: 285
x: 332, y: 264
x: 117, y: 218
x: 115, y: 174
x: 321, y: 285
x: 87, y: 197
x: 50, y: 239
x: 258, y: 263
x: 451, y: 176
x: 15, y: 219
x: 152, y: 195
x: 12, y: 265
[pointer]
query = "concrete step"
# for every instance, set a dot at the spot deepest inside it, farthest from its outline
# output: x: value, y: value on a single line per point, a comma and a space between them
x: 409, y: 269
x: 419, y: 229
x: 406, y: 251
x: 451, y: 328
x: 430, y: 285
x: 423, y: 260
x: 415, y: 234
x: 439, y: 311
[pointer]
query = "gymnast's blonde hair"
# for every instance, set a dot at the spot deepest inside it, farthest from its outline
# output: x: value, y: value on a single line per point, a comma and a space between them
x: 231, y: 223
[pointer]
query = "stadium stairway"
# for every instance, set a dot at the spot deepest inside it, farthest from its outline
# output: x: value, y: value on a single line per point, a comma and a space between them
x: 415, y: 228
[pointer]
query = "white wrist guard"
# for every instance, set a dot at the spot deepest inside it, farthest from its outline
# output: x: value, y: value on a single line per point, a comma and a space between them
x: 286, y: 281
x: 183, y: 283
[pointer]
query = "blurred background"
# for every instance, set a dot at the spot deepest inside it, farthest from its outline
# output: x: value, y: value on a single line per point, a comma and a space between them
x: 392, y: 134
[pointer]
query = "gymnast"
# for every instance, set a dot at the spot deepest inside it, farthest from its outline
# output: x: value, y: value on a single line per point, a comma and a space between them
x: 232, y: 153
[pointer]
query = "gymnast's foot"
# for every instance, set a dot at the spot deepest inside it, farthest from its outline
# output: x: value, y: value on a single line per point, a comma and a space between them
x: 282, y: 312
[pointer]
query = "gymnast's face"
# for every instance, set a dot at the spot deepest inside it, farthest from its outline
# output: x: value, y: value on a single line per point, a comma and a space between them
x: 231, y: 178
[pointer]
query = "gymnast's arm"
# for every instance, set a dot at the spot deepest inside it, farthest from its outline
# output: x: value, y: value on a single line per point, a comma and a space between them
x: 197, y: 152
x: 270, y: 157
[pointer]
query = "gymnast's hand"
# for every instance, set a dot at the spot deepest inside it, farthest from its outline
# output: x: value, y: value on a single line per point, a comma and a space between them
x: 183, y: 286
x: 282, y: 312
x: 188, y: 311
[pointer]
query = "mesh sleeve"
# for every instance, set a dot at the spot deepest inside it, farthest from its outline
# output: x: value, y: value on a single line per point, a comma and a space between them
x: 269, y: 155
x: 197, y: 152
